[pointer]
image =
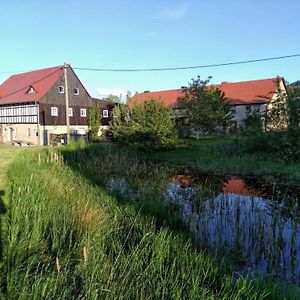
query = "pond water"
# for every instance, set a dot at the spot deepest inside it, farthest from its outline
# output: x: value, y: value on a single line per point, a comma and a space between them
x: 257, y: 222
x: 254, y: 221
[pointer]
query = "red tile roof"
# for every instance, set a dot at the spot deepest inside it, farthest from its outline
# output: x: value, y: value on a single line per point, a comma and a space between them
x: 15, y: 88
x: 254, y: 91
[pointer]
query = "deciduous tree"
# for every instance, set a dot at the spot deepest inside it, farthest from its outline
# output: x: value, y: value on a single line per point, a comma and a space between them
x: 207, y: 106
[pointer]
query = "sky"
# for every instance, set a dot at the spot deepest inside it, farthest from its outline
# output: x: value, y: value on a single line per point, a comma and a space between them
x: 150, y: 34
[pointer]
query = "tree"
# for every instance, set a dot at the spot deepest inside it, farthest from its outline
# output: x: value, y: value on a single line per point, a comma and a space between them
x: 207, y: 107
x: 113, y: 99
x: 148, y: 126
x: 94, y: 121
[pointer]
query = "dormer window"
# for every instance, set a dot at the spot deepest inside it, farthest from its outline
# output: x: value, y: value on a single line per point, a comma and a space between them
x: 31, y: 90
x: 76, y: 91
x: 61, y: 89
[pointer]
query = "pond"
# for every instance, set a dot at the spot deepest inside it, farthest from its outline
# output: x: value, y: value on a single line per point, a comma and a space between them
x: 252, y: 220
x: 257, y: 222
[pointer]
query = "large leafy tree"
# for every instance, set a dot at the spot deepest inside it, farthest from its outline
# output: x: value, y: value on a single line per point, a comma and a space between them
x: 207, y: 107
x: 148, y: 126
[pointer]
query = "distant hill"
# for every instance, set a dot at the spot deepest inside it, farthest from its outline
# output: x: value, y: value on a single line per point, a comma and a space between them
x: 296, y: 83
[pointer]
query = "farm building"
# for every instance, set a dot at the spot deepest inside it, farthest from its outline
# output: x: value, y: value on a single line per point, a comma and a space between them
x: 244, y: 97
x: 33, y: 106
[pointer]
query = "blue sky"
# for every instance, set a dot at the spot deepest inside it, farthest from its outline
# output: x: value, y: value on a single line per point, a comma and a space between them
x: 148, y: 34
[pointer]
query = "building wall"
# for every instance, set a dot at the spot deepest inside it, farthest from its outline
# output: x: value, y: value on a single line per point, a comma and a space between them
x: 241, y: 111
x: 27, y: 133
x: 45, y: 131
x: 55, y: 99
x: 60, y: 119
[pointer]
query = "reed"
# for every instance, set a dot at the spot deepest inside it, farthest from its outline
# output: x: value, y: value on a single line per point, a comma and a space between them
x: 66, y: 237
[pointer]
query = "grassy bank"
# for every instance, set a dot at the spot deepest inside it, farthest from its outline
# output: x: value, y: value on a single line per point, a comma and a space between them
x: 7, y: 153
x: 65, y: 237
x: 223, y: 155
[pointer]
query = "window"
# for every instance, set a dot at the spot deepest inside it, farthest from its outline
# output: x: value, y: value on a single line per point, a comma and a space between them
x: 61, y: 89
x: 28, y: 132
x: 82, y: 112
x: 105, y: 113
x: 54, y: 111
x: 76, y: 91
x: 70, y: 112
x: 248, y: 108
x: 31, y: 90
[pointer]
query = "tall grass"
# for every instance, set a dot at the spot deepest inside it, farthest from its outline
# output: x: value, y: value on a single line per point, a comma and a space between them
x: 66, y: 238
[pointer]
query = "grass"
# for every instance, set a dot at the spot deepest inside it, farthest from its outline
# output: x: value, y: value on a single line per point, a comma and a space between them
x: 222, y: 155
x: 65, y: 237
x: 7, y: 153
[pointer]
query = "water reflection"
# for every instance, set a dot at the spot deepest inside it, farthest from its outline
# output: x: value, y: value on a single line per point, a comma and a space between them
x: 264, y: 233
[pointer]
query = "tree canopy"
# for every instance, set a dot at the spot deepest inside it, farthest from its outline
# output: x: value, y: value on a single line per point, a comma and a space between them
x: 207, y: 107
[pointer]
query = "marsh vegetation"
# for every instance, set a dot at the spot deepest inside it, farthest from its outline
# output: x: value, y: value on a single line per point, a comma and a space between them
x: 92, y: 222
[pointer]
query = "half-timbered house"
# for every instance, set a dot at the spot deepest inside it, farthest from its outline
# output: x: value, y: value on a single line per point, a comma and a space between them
x: 33, y: 105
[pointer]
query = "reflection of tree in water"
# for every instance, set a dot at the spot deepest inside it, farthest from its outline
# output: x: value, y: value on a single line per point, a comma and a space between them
x: 285, y: 198
x: 206, y: 185
x: 234, y: 215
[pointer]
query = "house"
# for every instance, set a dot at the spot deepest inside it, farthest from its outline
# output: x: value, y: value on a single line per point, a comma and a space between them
x: 244, y: 97
x: 33, y: 105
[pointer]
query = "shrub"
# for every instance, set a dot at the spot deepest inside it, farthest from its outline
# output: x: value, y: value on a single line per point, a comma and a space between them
x: 147, y: 126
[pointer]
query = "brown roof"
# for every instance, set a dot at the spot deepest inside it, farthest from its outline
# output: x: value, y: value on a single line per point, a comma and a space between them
x: 245, y: 92
x: 15, y: 88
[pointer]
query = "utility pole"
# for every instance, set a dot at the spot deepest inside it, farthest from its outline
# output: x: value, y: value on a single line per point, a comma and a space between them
x: 67, y: 102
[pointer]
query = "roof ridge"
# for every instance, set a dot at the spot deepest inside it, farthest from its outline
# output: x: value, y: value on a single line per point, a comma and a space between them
x: 32, y: 71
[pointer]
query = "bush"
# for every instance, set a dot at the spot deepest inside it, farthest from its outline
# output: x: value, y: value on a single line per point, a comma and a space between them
x: 147, y: 126
x: 281, y: 139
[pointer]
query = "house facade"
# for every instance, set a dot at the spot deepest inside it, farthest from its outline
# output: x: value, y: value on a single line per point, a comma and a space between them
x: 33, y: 105
x: 244, y: 97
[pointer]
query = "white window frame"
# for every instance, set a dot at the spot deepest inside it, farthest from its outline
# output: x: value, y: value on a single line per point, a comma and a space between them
x: 61, y: 89
x: 76, y: 91
x: 31, y: 90
x: 70, y: 112
x: 83, y: 112
x: 105, y: 113
x: 54, y: 111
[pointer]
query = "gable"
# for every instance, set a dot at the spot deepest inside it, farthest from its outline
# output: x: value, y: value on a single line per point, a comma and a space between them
x: 80, y: 97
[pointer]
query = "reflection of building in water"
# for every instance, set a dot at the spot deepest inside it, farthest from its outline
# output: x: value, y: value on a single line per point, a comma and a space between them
x: 229, y: 185
x: 235, y: 185
x: 183, y: 179
x: 256, y: 229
